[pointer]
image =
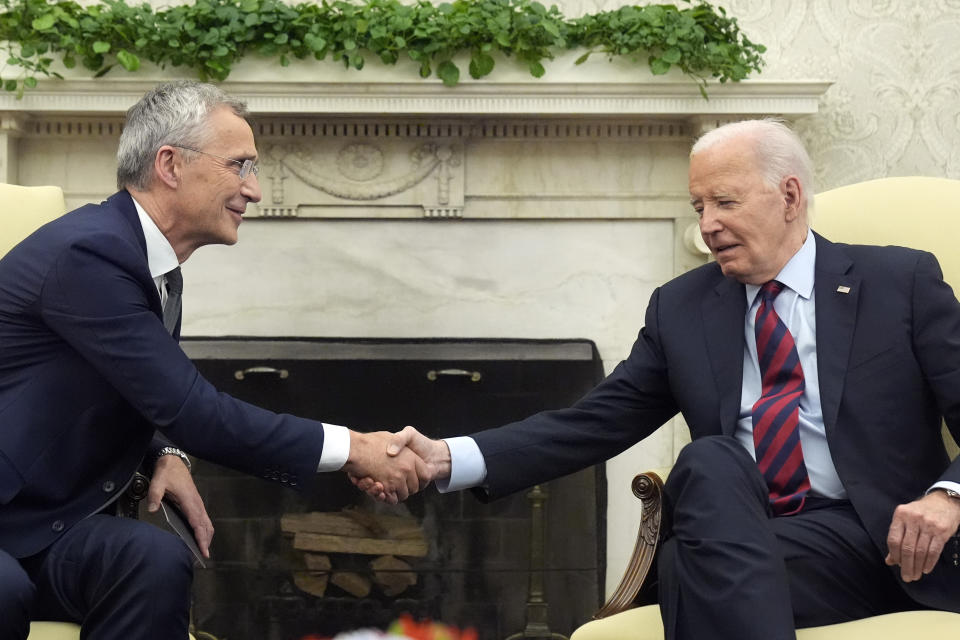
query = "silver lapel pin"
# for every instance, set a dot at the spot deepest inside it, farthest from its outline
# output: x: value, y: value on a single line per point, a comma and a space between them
x: 843, y: 289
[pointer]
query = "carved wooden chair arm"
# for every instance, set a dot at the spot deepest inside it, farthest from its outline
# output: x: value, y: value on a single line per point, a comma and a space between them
x: 649, y: 488
x: 128, y: 504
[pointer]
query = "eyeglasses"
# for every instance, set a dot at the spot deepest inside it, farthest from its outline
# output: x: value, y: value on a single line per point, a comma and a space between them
x: 246, y: 166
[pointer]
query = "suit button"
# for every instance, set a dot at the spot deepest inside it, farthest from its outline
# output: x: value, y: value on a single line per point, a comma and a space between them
x: 293, y: 481
x: 57, y: 526
x: 284, y: 477
x: 109, y: 486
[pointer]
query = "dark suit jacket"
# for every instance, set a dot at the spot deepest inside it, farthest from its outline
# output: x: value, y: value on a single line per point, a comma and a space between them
x: 888, y: 356
x: 87, y: 372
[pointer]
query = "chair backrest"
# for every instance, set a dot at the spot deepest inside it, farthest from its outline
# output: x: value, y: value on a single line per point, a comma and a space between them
x: 918, y: 212
x: 25, y: 209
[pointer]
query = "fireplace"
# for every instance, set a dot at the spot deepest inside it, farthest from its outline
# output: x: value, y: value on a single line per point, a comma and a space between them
x: 475, y: 566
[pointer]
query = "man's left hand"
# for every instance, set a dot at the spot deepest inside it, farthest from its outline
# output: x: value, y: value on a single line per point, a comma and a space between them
x: 172, y: 479
x: 919, y: 532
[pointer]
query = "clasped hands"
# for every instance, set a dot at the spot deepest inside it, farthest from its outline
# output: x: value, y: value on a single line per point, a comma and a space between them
x: 392, y: 466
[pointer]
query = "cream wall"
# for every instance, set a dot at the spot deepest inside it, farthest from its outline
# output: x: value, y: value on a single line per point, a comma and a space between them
x: 894, y: 107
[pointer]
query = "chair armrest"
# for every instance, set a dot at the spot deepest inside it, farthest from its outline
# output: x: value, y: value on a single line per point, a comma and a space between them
x: 128, y: 505
x: 648, y: 487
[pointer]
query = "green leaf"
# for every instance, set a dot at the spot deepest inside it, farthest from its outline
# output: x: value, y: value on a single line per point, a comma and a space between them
x: 69, y: 61
x: 551, y: 28
x: 480, y: 65
x: 103, y: 71
x: 582, y: 58
x: 537, y: 70
x: 30, y: 82
x: 44, y: 22
x: 449, y: 73
x: 672, y: 56
x: 659, y: 66
x: 315, y: 43
x: 249, y: 6
x: 101, y: 47
x: 129, y: 61
x: 9, y: 85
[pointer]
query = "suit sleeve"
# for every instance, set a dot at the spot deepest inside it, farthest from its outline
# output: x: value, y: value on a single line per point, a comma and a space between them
x: 936, y: 339
x: 626, y: 407
x: 95, y: 302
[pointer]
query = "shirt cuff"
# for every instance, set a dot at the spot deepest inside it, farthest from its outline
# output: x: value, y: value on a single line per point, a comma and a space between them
x: 336, y: 448
x: 946, y: 484
x: 467, y: 467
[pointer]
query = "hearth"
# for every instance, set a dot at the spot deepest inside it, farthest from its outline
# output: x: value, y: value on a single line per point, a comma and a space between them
x: 286, y: 565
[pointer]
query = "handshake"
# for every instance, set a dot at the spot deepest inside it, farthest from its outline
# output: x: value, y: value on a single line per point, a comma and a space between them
x: 390, y: 467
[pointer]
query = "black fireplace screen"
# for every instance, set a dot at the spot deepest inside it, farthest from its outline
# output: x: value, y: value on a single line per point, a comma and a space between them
x: 288, y: 564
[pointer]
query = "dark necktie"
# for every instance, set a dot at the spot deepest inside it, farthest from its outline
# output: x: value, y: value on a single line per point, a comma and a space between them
x: 171, y: 310
x: 776, y: 415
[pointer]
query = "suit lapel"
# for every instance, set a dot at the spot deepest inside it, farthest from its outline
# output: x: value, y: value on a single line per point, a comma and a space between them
x: 723, y: 312
x: 837, y: 292
x: 122, y: 202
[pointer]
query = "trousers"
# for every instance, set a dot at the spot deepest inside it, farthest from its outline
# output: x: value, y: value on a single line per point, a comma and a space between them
x: 730, y: 569
x: 118, y: 578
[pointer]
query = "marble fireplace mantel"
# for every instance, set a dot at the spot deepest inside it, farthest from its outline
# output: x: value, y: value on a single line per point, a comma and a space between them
x: 677, y: 98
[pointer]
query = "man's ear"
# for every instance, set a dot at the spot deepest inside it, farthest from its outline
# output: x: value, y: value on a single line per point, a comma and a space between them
x: 792, y: 194
x: 167, y: 165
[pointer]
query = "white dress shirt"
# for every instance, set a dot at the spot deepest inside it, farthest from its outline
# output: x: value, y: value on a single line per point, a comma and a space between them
x: 161, y: 258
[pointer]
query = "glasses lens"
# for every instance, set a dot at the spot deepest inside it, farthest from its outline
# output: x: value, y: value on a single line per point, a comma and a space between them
x: 248, y: 167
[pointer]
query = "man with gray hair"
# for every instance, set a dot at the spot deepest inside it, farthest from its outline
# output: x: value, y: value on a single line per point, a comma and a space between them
x: 813, y: 377
x: 90, y: 368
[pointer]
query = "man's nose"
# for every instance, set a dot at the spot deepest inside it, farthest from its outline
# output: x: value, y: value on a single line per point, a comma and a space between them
x: 709, y: 221
x: 250, y: 188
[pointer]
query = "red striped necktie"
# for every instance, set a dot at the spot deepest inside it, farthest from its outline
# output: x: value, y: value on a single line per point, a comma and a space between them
x: 776, y: 415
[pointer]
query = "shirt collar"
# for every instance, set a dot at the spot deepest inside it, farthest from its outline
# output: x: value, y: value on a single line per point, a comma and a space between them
x: 161, y: 257
x: 797, y: 274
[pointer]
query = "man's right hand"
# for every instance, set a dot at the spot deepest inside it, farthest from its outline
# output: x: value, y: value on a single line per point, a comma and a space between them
x: 435, y: 455
x: 394, y: 476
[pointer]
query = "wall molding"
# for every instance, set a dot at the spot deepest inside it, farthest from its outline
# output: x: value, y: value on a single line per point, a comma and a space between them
x: 653, y: 98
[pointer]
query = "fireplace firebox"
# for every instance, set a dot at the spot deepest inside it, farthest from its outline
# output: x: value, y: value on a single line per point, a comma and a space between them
x: 288, y: 564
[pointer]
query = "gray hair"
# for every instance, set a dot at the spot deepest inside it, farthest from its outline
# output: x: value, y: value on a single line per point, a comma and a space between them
x: 173, y: 113
x: 780, y: 152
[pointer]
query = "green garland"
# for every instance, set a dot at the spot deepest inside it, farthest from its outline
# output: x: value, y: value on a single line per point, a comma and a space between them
x: 210, y: 36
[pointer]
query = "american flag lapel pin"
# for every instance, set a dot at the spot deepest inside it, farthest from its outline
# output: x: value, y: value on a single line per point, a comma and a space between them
x: 843, y: 289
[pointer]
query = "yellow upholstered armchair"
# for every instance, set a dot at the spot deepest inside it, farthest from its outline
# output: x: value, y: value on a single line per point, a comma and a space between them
x: 922, y: 213
x: 24, y: 209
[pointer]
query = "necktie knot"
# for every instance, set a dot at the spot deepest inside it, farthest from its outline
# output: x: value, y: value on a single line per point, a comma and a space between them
x: 174, y: 281
x: 770, y: 290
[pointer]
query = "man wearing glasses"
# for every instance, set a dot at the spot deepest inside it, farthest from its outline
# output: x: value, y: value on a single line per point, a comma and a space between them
x: 93, y: 381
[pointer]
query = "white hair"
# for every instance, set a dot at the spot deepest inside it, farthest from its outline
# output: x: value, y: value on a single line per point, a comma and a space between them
x: 780, y: 152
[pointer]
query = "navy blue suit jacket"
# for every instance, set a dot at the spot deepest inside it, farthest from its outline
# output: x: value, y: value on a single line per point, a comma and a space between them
x: 87, y: 372
x: 888, y: 356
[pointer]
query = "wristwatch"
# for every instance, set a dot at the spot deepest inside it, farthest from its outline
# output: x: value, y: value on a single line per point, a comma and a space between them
x: 173, y: 451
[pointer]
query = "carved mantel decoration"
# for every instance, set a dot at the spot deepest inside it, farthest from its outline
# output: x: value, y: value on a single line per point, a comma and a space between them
x: 345, y: 149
